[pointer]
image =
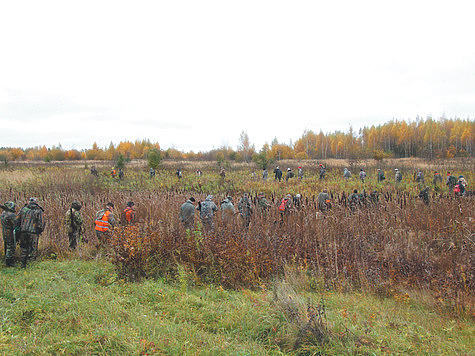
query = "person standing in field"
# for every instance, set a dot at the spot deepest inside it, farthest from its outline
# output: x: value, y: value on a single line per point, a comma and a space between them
x: 245, y: 209
x: 113, y: 172
x: 419, y: 176
x: 424, y: 195
x: 152, y: 173
x: 8, y: 218
x: 128, y: 215
x: 262, y: 203
x: 381, y: 176
x: 74, y: 224
x: 397, y: 176
x: 346, y: 174
x: 323, y: 172
x: 31, y: 224
x: 104, y: 223
x: 300, y: 173
x: 362, y: 175
x: 285, y: 206
x: 289, y: 175
x: 121, y: 174
x: 227, y: 210
x: 451, y: 181
x: 354, y: 200
x: 264, y: 174
x: 207, y: 209
x: 179, y: 174
x: 437, y: 179
x: 323, y: 201
x: 277, y: 174
x: 187, y: 213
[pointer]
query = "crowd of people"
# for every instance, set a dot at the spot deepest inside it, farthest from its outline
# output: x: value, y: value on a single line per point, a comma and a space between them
x: 26, y: 226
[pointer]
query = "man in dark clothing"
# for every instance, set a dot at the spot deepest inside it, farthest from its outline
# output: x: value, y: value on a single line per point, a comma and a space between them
x: 31, y: 224
x: 354, y: 200
x: 323, y: 200
x: 74, y: 224
x: 277, y: 174
x: 323, y: 171
x: 451, y: 181
x: 179, y: 174
x: 8, y: 225
x: 424, y: 195
x: 437, y: 179
x: 381, y: 176
x: 121, y: 174
x: 245, y: 209
x: 187, y: 213
x: 289, y: 175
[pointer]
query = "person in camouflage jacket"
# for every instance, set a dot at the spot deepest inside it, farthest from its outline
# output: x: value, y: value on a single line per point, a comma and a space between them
x: 74, y: 224
x: 31, y: 224
x: 245, y: 209
x: 8, y: 225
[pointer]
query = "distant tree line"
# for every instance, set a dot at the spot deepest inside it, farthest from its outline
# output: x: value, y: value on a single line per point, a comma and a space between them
x: 427, y: 138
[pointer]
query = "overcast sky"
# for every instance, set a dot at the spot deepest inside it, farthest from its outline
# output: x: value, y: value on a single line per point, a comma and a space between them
x: 194, y: 74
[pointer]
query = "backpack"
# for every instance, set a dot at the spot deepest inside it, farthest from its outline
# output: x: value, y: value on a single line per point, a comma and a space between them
x: 283, y: 205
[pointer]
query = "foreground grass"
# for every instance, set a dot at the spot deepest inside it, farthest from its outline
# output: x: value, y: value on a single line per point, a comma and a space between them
x: 78, y: 307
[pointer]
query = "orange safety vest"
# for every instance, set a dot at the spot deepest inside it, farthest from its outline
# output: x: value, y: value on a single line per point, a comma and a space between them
x: 102, y: 224
x: 129, y: 214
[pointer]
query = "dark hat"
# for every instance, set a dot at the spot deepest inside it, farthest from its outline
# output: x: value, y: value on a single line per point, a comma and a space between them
x: 130, y: 204
x: 110, y: 204
x: 76, y: 205
x: 192, y: 199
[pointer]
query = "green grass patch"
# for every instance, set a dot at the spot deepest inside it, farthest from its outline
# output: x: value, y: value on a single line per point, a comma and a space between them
x: 78, y: 307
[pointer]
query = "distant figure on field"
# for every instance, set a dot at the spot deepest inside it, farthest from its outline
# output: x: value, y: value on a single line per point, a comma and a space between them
x: 323, y: 172
x: 362, y: 175
x: 94, y: 171
x: 397, y: 176
x: 347, y: 174
x: 104, y: 223
x: 285, y: 206
x: 262, y: 203
x: 222, y: 173
x: 74, y: 224
x: 323, y: 201
x: 424, y: 195
x: 297, y: 201
x: 8, y: 226
x: 31, y: 224
x: 245, y: 209
x: 187, y: 213
x: 227, y: 210
x: 113, y: 172
x: 419, y: 176
x: 152, y: 173
x: 207, y: 209
x: 128, y: 215
x: 277, y: 174
x: 121, y: 174
x: 265, y: 174
x: 198, y: 173
x: 289, y: 174
x: 179, y: 174
x: 300, y: 173
x: 437, y: 179
x: 354, y: 200
x: 381, y: 176
x: 451, y: 181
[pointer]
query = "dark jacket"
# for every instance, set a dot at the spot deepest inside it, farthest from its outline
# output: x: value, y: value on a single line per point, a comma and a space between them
x: 30, y: 219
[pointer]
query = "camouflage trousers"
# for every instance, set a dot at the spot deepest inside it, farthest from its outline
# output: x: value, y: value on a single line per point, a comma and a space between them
x: 73, y: 239
x: 28, y: 246
x: 208, y: 224
x: 9, y: 244
x: 103, y: 238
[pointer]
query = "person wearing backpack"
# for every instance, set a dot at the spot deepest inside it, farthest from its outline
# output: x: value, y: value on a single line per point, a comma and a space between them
x: 227, y: 210
x: 187, y: 213
x: 451, y: 181
x: 31, y: 225
x: 74, y: 224
x: 104, y: 223
x: 323, y: 201
x: 128, y: 215
x: 285, y: 206
x: 207, y: 209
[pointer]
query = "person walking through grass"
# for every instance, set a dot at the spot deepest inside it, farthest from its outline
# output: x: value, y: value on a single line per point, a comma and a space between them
x: 187, y: 213
x: 104, y: 224
x: 207, y: 209
x: 74, y: 224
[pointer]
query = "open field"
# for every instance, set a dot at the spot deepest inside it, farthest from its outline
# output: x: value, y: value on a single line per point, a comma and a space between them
x: 398, y: 253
